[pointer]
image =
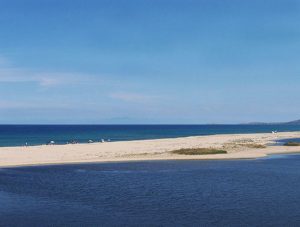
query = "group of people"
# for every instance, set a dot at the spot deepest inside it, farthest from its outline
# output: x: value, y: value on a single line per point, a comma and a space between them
x: 75, y: 142
x: 52, y: 142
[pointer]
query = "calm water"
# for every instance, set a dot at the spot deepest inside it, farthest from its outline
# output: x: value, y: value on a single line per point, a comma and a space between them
x: 18, y: 135
x: 262, y: 192
x: 283, y: 141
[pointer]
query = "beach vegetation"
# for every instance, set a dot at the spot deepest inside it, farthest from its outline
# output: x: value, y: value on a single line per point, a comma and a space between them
x: 198, y: 151
x: 254, y: 145
x: 244, y: 145
x: 291, y: 143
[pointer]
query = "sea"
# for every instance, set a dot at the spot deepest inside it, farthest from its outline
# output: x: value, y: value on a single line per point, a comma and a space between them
x: 254, y: 192
x: 20, y: 135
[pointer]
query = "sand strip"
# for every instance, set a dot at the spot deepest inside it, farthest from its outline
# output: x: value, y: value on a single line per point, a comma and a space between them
x: 235, y: 144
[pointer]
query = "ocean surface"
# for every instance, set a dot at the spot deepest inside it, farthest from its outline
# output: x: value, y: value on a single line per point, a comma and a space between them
x: 19, y: 135
x: 260, y: 192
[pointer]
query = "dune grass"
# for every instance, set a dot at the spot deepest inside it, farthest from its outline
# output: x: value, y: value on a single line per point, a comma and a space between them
x: 244, y: 145
x: 198, y: 151
x: 291, y: 143
x: 254, y: 145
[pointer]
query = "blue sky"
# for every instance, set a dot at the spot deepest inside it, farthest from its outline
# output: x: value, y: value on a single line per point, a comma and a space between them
x: 149, y: 61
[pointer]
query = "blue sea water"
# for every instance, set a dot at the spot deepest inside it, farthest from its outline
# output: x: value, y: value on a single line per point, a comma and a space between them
x: 260, y: 192
x: 19, y: 135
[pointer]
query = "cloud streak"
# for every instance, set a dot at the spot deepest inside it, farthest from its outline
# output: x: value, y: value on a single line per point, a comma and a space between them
x: 133, y: 97
x: 46, y: 79
x: 11, y: 74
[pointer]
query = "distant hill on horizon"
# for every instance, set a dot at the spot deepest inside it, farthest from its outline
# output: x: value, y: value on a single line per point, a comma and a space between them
x: 296, y: 122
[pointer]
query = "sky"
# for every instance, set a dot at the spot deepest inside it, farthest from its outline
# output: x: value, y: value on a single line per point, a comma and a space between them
x: 149, y: 61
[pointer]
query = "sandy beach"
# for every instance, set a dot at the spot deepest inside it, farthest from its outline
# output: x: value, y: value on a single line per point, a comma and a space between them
x: 237, y: 146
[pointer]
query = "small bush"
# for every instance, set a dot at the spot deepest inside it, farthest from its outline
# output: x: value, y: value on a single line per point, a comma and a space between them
x: 292, y: 144
x: 254, y: 145
x: 198, y: 151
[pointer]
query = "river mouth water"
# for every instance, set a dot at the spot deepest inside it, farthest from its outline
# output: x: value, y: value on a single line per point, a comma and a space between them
x: 212, y: 193
x: 281, y: 142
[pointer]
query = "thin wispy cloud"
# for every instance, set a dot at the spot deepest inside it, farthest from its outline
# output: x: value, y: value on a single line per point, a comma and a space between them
x: 4, y: 105
x: 17, y: 75
x: 133, y: 97
x: 12, y: 74
x: 45, y: 79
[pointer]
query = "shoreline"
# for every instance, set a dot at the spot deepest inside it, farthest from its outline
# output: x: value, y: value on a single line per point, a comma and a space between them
x: 139, y: 160
x: 237, y: 146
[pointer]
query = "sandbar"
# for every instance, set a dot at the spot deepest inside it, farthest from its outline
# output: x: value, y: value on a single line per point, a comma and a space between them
x: 139, y: 150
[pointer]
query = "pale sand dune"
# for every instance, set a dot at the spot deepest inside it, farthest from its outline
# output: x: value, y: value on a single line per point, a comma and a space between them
x: 146, y: 150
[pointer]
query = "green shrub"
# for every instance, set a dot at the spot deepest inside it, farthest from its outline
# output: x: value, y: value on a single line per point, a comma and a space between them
x: 254, y: 145
x: 292, y: 144
x: 198, y: 151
